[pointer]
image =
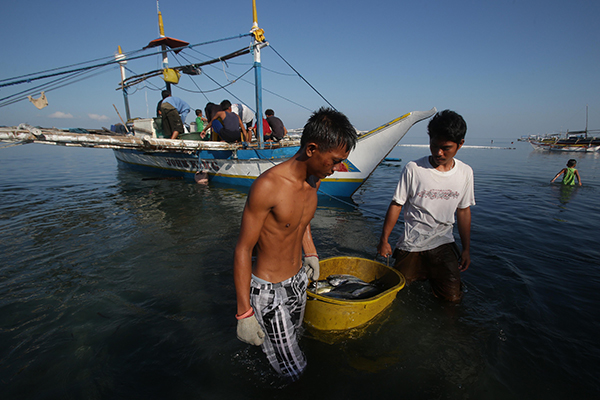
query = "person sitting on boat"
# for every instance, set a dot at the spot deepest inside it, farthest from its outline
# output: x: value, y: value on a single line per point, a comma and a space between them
x: 431, y: 191
x: 200, y: 120
x: 277, y: 128
x: 266, y: 129
x: 570, y: 173
x: 271, y: 294
x: 232, y: 129
x: 173, y: 111
x: 209, y: 111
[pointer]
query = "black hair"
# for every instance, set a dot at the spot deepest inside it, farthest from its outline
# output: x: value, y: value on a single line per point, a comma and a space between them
x: 225, y: 104
x: 165, y: 94
x: 447, y: 125
x: 571, y: 163
x: 198, y: 111
x: 269, y: 112
x: 329, y: 129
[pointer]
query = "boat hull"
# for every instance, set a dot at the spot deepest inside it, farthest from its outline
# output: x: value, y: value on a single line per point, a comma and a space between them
x: 240, y: 167
x: 568, y: 145
x: 227, y: 163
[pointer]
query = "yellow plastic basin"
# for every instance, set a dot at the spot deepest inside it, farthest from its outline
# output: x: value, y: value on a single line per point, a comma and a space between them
x: 326, y: 313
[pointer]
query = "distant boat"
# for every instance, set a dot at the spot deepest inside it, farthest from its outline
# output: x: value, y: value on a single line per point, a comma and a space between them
x: 574, y: 141
x: 239, y: 164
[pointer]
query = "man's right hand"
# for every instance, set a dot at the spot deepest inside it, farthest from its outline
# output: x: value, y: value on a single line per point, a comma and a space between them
x: 384, y: 249
x: 249, y: 331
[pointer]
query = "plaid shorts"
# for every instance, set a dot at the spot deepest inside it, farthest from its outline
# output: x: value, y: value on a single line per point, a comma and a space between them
x: 279, y: 309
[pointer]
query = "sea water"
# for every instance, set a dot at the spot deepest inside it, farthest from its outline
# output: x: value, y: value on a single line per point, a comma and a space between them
x: 113, y: 285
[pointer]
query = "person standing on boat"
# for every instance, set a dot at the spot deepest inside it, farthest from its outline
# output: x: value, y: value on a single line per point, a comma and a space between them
x: 173, y: 111
x: 271, y: 294
x: 570, y: 173
x: 277, y: 128
x: 232, y: 129
x: 245, y: 114
x: 431, y: 191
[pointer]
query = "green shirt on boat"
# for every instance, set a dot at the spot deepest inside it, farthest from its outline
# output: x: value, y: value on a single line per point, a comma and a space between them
x: 199, y: 124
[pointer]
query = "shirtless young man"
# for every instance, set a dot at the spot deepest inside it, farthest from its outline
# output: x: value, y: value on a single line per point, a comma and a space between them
x: 271, y: 295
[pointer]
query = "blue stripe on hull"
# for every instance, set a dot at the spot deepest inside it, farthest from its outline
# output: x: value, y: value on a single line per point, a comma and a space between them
x: 337, y: 188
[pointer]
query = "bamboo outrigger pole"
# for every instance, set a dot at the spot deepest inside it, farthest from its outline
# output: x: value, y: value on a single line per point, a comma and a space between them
x: 124, y: 124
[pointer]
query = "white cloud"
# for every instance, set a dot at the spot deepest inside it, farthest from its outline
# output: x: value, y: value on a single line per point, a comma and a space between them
x: 98, y: 117
x: 60, y: 114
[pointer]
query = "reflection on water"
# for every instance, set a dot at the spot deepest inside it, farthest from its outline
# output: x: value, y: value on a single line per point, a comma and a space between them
x: 112, y: 286
x: 565, y: 193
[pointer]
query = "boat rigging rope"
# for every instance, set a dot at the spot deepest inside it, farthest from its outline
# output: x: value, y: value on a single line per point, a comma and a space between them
x: 147, y: 84
x: 47, y: 87
x: 379, y: 216
x: 252, y: 83
x: 219, y: 85
x: 301, y: 77
x: 59, y: 68
x: 214, y: 90
x: 112, y: 61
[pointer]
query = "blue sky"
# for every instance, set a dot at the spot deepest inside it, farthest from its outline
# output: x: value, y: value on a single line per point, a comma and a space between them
x: 511, y: 68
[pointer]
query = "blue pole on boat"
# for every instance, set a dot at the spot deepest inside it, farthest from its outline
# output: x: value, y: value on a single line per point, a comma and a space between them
x: 259, y: 125
x: 258, y: 39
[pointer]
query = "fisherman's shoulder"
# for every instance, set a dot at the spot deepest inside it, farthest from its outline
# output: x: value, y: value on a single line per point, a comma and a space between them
x: 272, y: 180
x: 462, y: 165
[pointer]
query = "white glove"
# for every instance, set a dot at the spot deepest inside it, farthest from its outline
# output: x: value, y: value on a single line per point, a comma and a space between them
x: 311, y: 263
x: 249, y: 331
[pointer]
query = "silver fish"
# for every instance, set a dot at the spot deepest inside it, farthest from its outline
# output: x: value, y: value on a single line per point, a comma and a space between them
x: 320, y: 287
x: 341, y: 279
x: 353, y: 288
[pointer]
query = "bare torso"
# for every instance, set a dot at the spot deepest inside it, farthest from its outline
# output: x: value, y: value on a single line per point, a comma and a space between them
x: 279, y: 246
x: 276, y: 218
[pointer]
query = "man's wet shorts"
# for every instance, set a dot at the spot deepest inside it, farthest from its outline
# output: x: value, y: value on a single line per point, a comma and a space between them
x: 279, y: 309
x: 439, y: 266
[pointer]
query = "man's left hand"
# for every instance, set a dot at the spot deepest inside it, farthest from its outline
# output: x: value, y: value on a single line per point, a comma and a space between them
x: 311, y: 263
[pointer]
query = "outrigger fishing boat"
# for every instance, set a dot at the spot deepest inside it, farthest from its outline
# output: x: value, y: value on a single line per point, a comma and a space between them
x: 143, y: 147
x: 574, y: 141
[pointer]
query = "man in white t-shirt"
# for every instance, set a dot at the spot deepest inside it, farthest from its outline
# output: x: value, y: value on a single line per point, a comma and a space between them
x: 245, y: 114
x: 431, y: 191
